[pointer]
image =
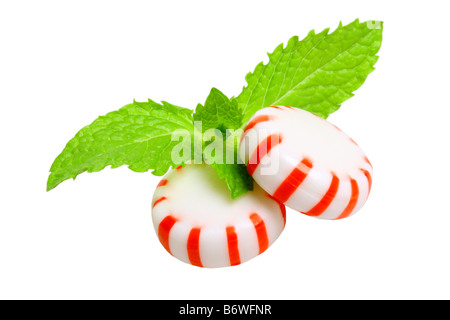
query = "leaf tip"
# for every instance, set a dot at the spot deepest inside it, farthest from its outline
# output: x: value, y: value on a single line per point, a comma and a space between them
x: 51, y: 184
x: 324, y: 32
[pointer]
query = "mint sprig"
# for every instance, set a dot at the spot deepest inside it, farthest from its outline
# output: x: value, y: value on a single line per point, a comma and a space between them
x: 316, y: 74
x: 223, y: 114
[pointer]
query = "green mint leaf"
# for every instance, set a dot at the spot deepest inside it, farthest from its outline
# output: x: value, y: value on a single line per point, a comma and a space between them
x: 137, y: 135
x: 225, y: 161
x: 219, y: 112
x: 317, y: 73
x: 225, y: 116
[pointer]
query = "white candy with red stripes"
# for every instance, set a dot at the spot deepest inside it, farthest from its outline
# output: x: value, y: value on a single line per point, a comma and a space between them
x: 306, y: 162
x: 197, y: 221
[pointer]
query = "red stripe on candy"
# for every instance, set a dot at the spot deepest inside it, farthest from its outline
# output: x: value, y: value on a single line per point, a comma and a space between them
x: 326, y: 200
x: 353, y: 141
x: 261, y: 150
x: 336, y: 127
x: 159, y: 200
x: 367, y: 160
x: 163, y: 182
x: 164, y: 230
x: 233, y: 250
x: 353, y: 200
x: 369, y: 178
x: 261, y: 232
x: 193, y: 247
x: 254, y: 122
x: 293, y: 181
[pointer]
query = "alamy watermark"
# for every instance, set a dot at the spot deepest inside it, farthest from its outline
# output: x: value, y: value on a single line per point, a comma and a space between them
x: 230, y: 146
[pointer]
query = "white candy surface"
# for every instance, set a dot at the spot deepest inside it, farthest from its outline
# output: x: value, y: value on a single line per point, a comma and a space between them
x: 198, y: 223
x: 306, y: 162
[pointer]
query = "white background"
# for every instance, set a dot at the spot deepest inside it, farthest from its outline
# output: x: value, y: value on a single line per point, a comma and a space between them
x: 63, y: 63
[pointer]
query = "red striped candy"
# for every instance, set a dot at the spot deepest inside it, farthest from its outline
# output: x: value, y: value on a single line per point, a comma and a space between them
x: 306, y: 162
x: 197, y: 221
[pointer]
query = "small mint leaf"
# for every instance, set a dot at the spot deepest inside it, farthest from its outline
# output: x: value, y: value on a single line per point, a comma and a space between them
x: 219, y: 112
x: 224, y: 114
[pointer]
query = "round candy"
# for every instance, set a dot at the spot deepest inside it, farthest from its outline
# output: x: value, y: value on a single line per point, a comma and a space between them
x: 198, y: 223
x: 306, y: 162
